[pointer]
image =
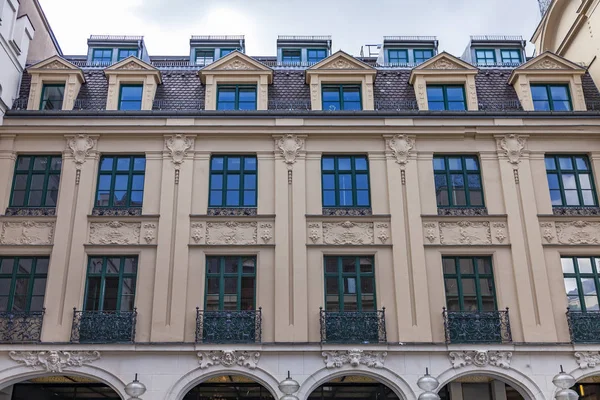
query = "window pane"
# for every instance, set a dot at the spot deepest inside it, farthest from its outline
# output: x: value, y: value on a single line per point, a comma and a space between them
x: 571, y: 286
x: 435, y: 93
x: 249, y: 163
x: 439, y: 164
x: 584, y: 265
x: 360, y: 163
x: 567, y: 265
x: 539, y: 93
x: 217, y: 163
x: 565, y: 163
x: 471, y: 164
x: 233, y: 198
x: 572, y: 197
x: 249, y: 181
x: 129, y: 93
x: 234, y: 163
x: 553, y: 181
x: 331, y: 264
x: 344, y: 164
x: 328, y: 181
x: 559, y: 93
x: 550, y: 163
x: 588, y: 198
x: 466, y: 266
x: 455, y: 93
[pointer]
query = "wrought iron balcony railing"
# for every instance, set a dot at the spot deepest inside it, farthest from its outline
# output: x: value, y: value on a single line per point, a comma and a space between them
x: 291, y: 105
x: 406, y: 105
x: 103, y: 326
x: 584, y: 326
x: 228, y: 326
x: 477, y: 326
x: 21, y: 327
x: 353, y: 326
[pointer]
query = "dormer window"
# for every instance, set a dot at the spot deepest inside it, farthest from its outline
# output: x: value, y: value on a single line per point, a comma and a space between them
x: 124, y: 53
x: 236, y: 97
x: 205, y: 56
x: 52, y: 97
x: 485, y: 57
x: 313, y: 56
x: 422, y: 55
x: 446, y: 97
x: 130, y: 97
x: 511, y: 57
x: 551, y: 97
x: 397, y: 56
x: 291, y: 56
x: 102, y: 56
x: 132, y: 85
x: 342, y: 97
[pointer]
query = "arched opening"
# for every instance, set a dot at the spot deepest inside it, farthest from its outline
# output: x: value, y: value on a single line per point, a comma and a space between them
x: 58, y: 387
x: 479, y: 387
x: 229, y: 387
x: 353, y: 387
x: 588, y: 388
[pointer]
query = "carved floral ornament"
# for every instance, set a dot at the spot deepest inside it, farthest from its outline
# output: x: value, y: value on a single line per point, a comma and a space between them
x: 236, y: 65
x: 500, y: 359
x: 512, y: 146
x: 55, y: 65
x: 354, y: 357
x: 178, y: 146
x: 116, y: 232
x: 401, y: 145
x: 289, y: 146
x: 80, y: 147
x: 27, y: 233
x: 54, y: 361
x: 444, y: 63
x: 587, y: 359
x: 228, y: 358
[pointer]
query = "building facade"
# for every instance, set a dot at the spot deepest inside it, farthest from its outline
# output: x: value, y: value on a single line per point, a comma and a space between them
x: 215, y: 223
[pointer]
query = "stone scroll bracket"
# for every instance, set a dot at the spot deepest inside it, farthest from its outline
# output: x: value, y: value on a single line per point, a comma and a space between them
x: 80, y: 147
x: 400, y: 147
x: 512, y: 147
x: 177, y: 147
x: 290, y: 147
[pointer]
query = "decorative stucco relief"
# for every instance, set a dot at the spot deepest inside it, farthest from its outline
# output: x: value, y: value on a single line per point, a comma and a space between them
x: 500, y: 232
x: 236, y: 65
x: 548, y: 231
x: 80, y: 147
x: 266, y: 232
x: 55, y: 65
x: 578, y: 232
x: 197, y: 232
x: 226, y: 358
x: 27, y: 232
x: 512, y: 146
x: 430, y: 230
x: 115, y: 232
x: 315, y: 232
x: 500, y: 359
x: 383, y: 230
x: 149, y: 233
x: 354, y: 357
x: 340, y: 63
x: 587, y: 359
x: 444, y: 63
x: 54, y: 361
x: 177, y: 147
x: 465, y: 232
x: 289, y: 146
x: 546, y: 64
x: 401, y: 146
x: 348, y: 232
x: 231, y: 232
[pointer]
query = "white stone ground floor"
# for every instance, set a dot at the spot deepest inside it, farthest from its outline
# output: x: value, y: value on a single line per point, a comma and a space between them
x: 171, y: 371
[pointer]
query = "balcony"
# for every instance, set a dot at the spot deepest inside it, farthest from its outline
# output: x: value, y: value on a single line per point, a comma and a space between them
x: 584, y: 326
x: 228, y: 326
x: 21, y: 327
x: 353, y: 326
x: 477, y: 327
x: 103, y: 326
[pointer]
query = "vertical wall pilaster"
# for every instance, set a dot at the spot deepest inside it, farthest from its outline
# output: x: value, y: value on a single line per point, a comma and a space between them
x: 7, y: 165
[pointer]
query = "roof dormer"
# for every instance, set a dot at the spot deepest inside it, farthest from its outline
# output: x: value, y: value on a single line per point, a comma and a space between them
x: 105, y: 50
x: 302, y: 50
x: 495, y: 51
x: 131, y: 85
x: 55, y: 84
x: 204, y: 50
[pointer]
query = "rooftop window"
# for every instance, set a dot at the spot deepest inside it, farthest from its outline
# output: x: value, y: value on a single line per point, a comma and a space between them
x: 102, y: 56
x: 130, y: 97
x: 446, y: 97
x: 551, y: 98
x: 292, y: 56
x: 511, y: 57
x: 341, y: 97
x: 205, y: 56
x: 236, y: 97
x: 124, y: 53
x: 398, y: 56
x: 485, y: 57
x: 422, y: 55
x: 52, y: 97
x: 313, y: 56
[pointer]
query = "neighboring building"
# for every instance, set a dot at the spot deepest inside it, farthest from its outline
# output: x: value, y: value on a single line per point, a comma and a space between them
x: 213, y: 225
x: 495, y: 51
x: 44, y: 44
x: 569, y: 29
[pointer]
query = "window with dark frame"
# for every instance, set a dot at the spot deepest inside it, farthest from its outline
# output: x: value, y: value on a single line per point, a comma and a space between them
x: 102, y: 56
x: 130, y: 97
x: 230, y: 283
x: 485, y: 57
x: 570, y: 181
x: 446, y: 98
x: 111, y: 283
x: 124, y: 53
x: 205, y: 57
x: 341, y: 97
x: 551, y: 97
x: 224, y: 52
x: 582, y: 282
x: 291, y: 56
x: 36, y: 181
x: 23, y: 283
x: 397, y: 56
x: 457, y: 181
x: 121, y: 181
x: 236, y: 97
x: 233, y: 181
x: 422, y: 55
x: 469, y: 283
x: 345, y: 181
x: 313, y: 56
x: 511, y: 57
x: 52, y: 97
x: 350, y: 283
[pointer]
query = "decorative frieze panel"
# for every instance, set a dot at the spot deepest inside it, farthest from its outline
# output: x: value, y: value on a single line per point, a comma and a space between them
x: 354, y: 357
x: 587, y: 359
x: 226, y: 358
x: 465, y: 232
x: 123, y: 233
x: 348, y: 233
x: 500, y: 359
x: 54, y: 361
x: 570, y: 232
x: 232, y: 232
x: 27, y: 233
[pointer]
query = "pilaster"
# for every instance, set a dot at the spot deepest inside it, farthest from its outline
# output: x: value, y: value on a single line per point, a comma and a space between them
x: 7, y: 166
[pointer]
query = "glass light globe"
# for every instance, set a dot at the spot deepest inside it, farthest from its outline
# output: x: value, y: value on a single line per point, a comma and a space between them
x: 566, y: 394
x: 289, y: 386
x: 135, y: 388
x: 428, y: 383
x: 563, y: 381
x: 288, y: 397
x: 429, y: 396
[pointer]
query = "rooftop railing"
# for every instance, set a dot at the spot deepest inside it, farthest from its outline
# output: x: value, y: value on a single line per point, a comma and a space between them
x: 409, y: 38
x: 294, y: 37
x: 218, y: 37
x: 496, y: 38
x: 406, y: 105
x: 509, y: 105
x: 115, y: 37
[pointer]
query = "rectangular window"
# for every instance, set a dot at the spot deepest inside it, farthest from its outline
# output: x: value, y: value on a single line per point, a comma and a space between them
x: 582, y: 282
x: 485, y: 57
x: 422, y: 55
x: 396, y: 57
x: 469, y: 283
x: 22, y: 283
x: 345, y: 181
x: 130, y: 97
x: 224, y: 52
x: 446, y: 98
x: 52, y: 97
x: 315, y: 55
x: 205, y: 57
x: 238, y: 97
x: 233, y: 181
x: 551, y: 97
x: 124, y: 53
x: 102, y: 56
x: 570, y: 181
x: 349, y: 283
x: 36, y: 180
x: 111, y: 282
x: 230, y: 283
x: 341, y: 97
x: 291, y: 56
x: 121, y: 181
x: 511, y: 57
x: 457, y: 181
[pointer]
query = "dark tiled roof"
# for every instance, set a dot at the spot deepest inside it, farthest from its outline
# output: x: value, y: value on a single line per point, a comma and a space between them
x: 590, y: 91
x: 181, y: 90
x: 494, y: 92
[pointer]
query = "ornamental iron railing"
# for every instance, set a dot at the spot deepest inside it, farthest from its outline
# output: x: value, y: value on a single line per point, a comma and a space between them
x: 477, y: 326
x: 228, y: 326
x: 496, y: 38
x: 115, y: 37
x: 510, y: 105
x: 584, y: 326
x: 353, y: 326
x: 408, y: 38
x: 19, y: 104
x: 190, y: 105
x: 288, y: 37
x: 217, y: 37
x: 406, y: 105
x: 291, y: 105
x: 103, y: 326
x: 21, y: 327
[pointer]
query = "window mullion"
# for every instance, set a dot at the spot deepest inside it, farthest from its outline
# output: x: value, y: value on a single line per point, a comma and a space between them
x: 120, y: 284
x: 563, y: 195
x: 448, y: 181
x: 340, y: 276
x: 341, y: 93
x: 13, y: 284
x: 461, y: 299
x: 477, y: 284
x: 102, y: 284
x: 353, y: 180
x: 579, y: 285
x: 358, y: 289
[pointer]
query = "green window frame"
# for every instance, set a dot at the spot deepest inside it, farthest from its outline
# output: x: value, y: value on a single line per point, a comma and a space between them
x: 102, y: 56
x: 397, y: 56
x: 446, y: 98
x: 582, y: 282
x: 233, y: 181
x: 124, y: 53
x: 230, y: 283
x: 224, y: 52
x: 121, y: 181
x: 291, y: 56
x: 52, y: 96
x: 345, y: 181
x: 469, y: 284
x: 313, y: 56
x: 36, y: 181
x: 130, y: 97
x: 458, y: 181
x: 236, y: 97
x: 570, y: 180
x: 341, y: 97
x: 422, y: 55
x: 205, y: 56
x: 485, y: 57
x: 350, y: 283
x: 111, y: 283
x: 23, y: 283
x: 511, y: 56
x: 551, y: 97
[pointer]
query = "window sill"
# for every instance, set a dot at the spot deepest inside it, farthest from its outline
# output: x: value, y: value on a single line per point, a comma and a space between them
x: 347, y: 211
x: 30, y: 212
x: 576, y: 211
x: 116, y: 211
x: 462, y: 211
x: 232, y: 211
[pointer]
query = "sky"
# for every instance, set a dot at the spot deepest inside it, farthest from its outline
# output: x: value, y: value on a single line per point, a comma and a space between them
x: 168, y: 24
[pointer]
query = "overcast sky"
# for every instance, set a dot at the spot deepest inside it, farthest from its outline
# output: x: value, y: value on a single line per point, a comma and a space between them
x: 168, y: 24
